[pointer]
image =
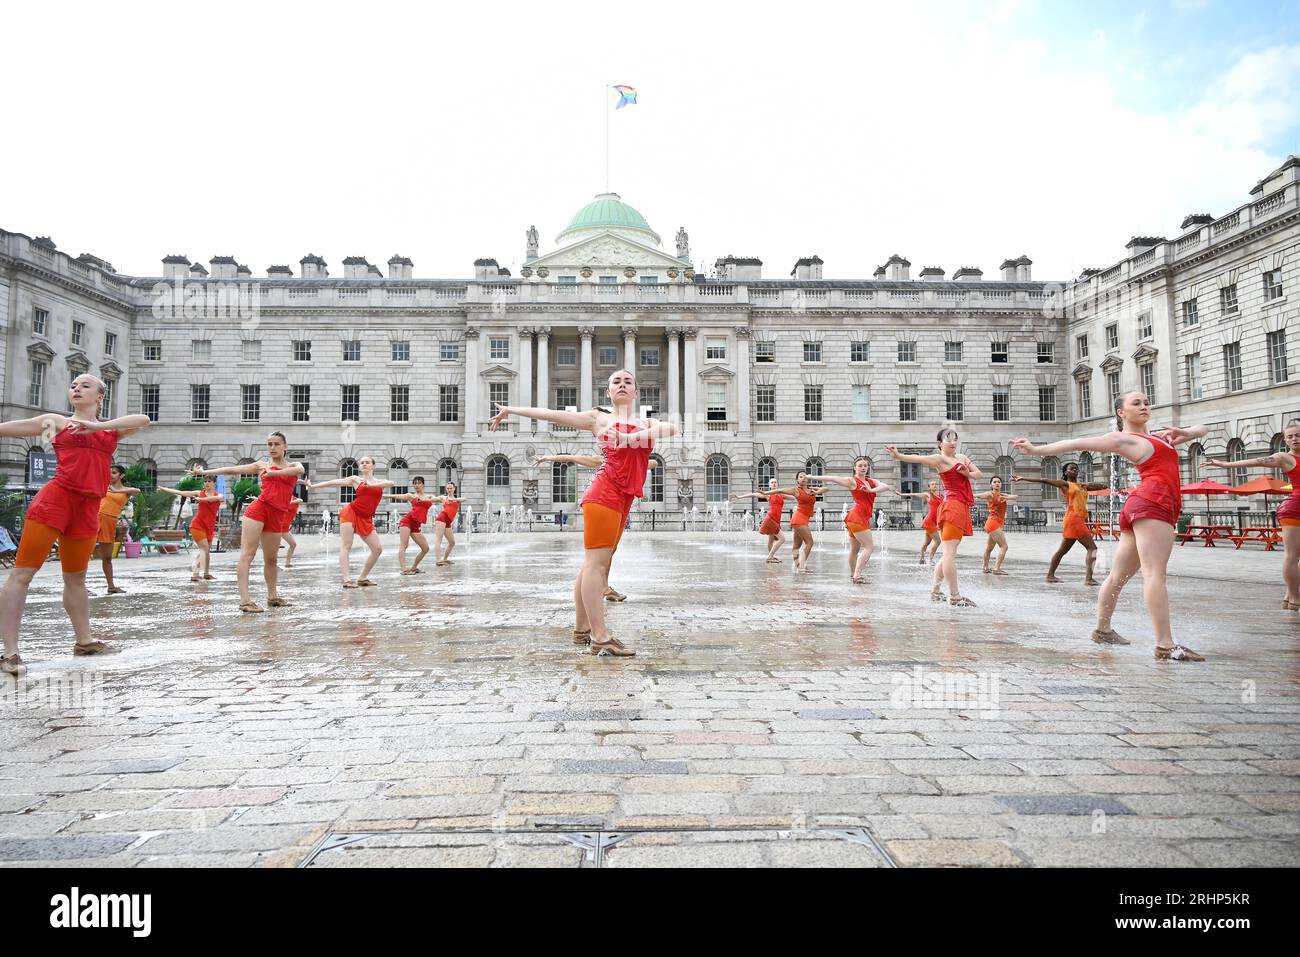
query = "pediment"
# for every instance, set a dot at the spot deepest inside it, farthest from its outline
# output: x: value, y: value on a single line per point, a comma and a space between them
x: 1082, y: 372
x: 1112, y: 364
x: 109, y: 371
x: 498, y: 372
x: 77, y: 363
x: 607, y: 249
x: 716, y: 372
x: 40, y: 352
x: 1145, y: 353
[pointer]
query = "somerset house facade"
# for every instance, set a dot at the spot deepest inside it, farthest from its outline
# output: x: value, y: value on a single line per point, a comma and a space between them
x: 767, y: 374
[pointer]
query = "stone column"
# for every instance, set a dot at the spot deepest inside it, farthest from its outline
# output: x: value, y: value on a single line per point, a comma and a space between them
x: 543, y: 374
x: 585, y: 384
x: 691, y: 408
x: 526, y: 376
x: 742, y: 379
x: 629, y: 349
x: 674, y: 377
x: 471, y: 381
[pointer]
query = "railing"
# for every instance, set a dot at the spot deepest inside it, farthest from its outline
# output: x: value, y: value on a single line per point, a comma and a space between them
x: 449, y: 292
x: 607, y: 289
x: 996, y: 295
x: 564, y: 288
x: 860, y: 295
x: 302, y: 292
x: 1111, y: 273
x: 951, y: 294
x: 400, y: 292
x: 908, y: 295
x: 1227, y: 223
x: 715, y: 425
x: 651, y: 290
x: 764, y: 295
x: 507, y: 425
x: 1187, y: 242
x: 500, y: 289
x: 1146, y: 257
x: 353, y: 292
x: 1270, y: 203
x: 705, y: 289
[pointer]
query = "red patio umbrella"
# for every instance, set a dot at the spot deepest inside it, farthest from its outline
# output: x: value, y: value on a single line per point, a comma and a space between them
x: 1265, y: 485
x: 1105, y: 491
x: 1207, y: 487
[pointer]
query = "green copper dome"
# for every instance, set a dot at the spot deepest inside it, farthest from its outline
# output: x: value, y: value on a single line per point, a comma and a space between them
x: 607, y: 211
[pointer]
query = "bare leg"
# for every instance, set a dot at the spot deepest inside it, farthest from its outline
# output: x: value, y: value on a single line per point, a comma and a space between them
x: 403, y: 539
x: 250, y: 537
x: 1155, y: 542
x: 1291, y: 562
x: 1065, y: 546
x: 580, y: 620
x: 345, y: 550
x: 1000, y: 537
x: 1124, y: 567
x: 271, y: 570
x: 774, y: 543
x: 450, y: 537
x: 924, y: 545
x: 807, y: 548
x: 76, y: 602
x: 595, y: 572
x: 936, y: 579
x: 935, y: 542
x: 376, y: 549
x: 105, y: 553
x: 948, y: 565
x: 1089, y: 561
x: 988, y: 550
x: 424, y: 549
x: 867, y: 546
x: 854, y: 547
x: 292, y: 542
x: 13, y: 598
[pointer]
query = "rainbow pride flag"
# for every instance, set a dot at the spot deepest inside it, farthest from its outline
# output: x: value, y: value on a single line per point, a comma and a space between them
x: 626, y: 96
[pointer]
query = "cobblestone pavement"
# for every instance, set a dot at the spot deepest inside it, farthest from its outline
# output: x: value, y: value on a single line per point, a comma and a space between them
x: 771, y: 718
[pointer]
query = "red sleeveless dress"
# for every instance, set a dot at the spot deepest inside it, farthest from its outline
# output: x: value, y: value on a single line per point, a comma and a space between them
x: 931, y: 520
x: 1288, y: 512
x: 271, y: 508
x: 772, y: 523
x: 864, y: 498
x: 204, y: 523
x: 361, y: 511
x: 957, y: 501
x: 69, y: 502
x: 997, y: 512
x: 416, y: 517
x: 1159, y: 494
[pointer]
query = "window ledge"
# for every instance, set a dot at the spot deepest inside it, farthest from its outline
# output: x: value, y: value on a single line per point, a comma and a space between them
x: 1280, y: 301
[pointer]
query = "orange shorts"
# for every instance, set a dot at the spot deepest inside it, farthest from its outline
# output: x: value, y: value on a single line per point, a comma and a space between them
x: 770, y: 526
x: 200, y: 532
x: 362, y: 525
x: 602, y: 526
x: 1075, y: 526
x: 993, y: 524
x: 1289, y: 522
x: 954, y: 520
x: 37, y: 540
x: 855, y: 527
x: 107, y: 530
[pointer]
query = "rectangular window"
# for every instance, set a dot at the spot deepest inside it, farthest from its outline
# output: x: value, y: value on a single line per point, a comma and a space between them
x: 250, y: 403
x: 1047, y: 403
x: 498, y: 347
x: 812, y: 403
x: 1147, y: 373
x: 350, y: 400
x: 78, y: 332
x: 399, y: 351
x: 1081, y: 344
x: 862, y: 403
x: 1000, y: 352
x: 251, y: 350
x: 564, y: 483
x: 1193, y: 366
x: 448, y: 351
x: 1190, y: 317
x: 1112, y: 388
x: 566, y: 280
x: 765, y: 403
x: 764, y: 351
x: 906, y: 351
x: 608, y: 280
x: 952, y: 351
x: 200, y: 396
x: 149, y: 401
x: 498, y: 394
x: 1145, y: 328
x: 352, y: 350
x: 1002, y: 405
x: 152, y: 350
x: 1046, y: 352
x: 648, y: 280
x: 716, y: 407
x: 649, y: 357
x: 302, y: 350
x: 448, y: 403
x: 1085, y: 400
x: 955, y: 403
x: 607, y: 356
x: 907, y: 403
x: 399, y: 403
x: 106, y: 404
x: 715, y: 349
x: 201, y: 350
x: 649, y: 401
x: 1277, y: 355
x: 859, y: 351
x: 1272, y: 285
x: 1228, y: 299
x: 110, y: 343
x: 1232, y: 366
x: 40, y: 320
x: 1112, y: 336
x: 812, y: 352
x: 566, y: 356
x: 566, y: 397
x: 301, y: 403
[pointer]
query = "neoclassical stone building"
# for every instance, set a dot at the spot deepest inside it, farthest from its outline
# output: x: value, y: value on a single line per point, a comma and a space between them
x: 766, y: 375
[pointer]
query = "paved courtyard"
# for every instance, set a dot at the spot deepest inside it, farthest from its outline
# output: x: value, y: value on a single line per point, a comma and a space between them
x: 768, y: 718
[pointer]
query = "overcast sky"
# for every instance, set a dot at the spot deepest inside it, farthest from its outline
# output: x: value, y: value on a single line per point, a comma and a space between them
x: 956, y: 134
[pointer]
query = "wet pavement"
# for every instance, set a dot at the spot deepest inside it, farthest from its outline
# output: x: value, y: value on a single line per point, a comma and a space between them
x: 769, y: 718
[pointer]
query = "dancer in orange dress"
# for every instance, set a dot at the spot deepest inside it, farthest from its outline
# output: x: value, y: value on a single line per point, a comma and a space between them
x: 1076, y: 519
x: 933, y: 499
x: 265, y: 519
x: 993, y: 526
x: 444, y: 525
x: 1147, y: 523
x: 771, y: 524
x: 66, y: 510
x: 408, y: 529
x: 203, y: 527
x: 110, y: 509
x: 864, y: 490
x: 1288, y: 514
x: 955, y: 472
x: 625, y: 442
x: 357, y: 518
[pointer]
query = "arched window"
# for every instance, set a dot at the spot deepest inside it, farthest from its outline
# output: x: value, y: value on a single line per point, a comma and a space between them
x: 1004, y: 467
x: 1051, y: 469
x: 498, y: 476
x: 564, y: 483
x: 1278, y: 445
x: 766, y: 472
x: 655, y: 482
x: 399, y: 473
x: 196, y: 463
x: 1195, y: 453
x: 150, y: 472
x: 717, y: 479
x: 448, y: 471
x: 1085, y: 467
x: 347, y: 468
x: 1236, y: 450
x: 815, y: 466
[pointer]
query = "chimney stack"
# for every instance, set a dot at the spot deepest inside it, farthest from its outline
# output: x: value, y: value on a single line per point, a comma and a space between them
x: 932, y: 274
x: 1140, y: 244
x: 313, y: 267
x: 198, y: 272
x: 223, y: 267
x: 879, y: 273
x: 896, y: 268
x: 1023, y: 272
x: 399, y: 267
x: 1009, y: 270
x: 968, y: 274
x: 175, y: 267
x: 808, y: 268
x: 486, y: 269
x: 356, y: 267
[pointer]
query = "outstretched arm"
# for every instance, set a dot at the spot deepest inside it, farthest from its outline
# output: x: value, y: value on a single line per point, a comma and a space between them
x: 400, y: 496
x: 590, y: 461
x: 36, y: 425
x: 1177, y: 436
x: 1055, y: 483
x: 933, y: 461
x: 847, y: 482
x: 879, y: 487
x: 176, y: 491
x: 574, y: 420
x: 1117, y: 442
x: 248, y: 468
x: 642, y: 437
x: 124, y: 425
x: 1278, y: 460
x: 754, y: 494
x: 349, y: 480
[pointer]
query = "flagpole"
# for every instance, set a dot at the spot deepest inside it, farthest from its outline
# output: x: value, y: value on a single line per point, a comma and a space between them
x: 607, y: 137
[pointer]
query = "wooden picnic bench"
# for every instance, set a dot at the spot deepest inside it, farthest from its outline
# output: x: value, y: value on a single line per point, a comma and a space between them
x: 167, y: 540
x: 1268, y: 537
x: 1103, y: 530
x: 1208, y: 534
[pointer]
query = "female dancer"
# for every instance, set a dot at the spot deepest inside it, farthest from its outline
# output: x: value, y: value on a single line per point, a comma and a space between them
x: 409, y: 527
x: 1076, y: 519
x: 66, y: 510
x: 290, y: 542
x: 864, y: 490
x: 1147, y: 523
x: 110, y: 508
x: 771, y: 526
x: 442, y: 525
x: 625, y: 442
x: 203, y: 527
x: 1288, y: 515
x: 805, y: 500
x: 265, y: 519
x: 993, y: 526
x: 955, y: 472
x: 933, y: 499
x: 357, y: 518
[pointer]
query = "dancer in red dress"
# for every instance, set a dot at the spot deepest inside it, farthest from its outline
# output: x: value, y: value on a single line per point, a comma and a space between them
x: 1288, y: 515
x: 444, y: 525
x: 771, y: 524
x: 203, y: 527
x: 805, y: 501
x: 1148, y: 522
x: 955, y: 472
x: 66, y: 510
x: 265, y: 519
x: 625, y: 443
x: 408, y: 529
x: 864, y: 490
x: 110, y: 510
x: 933, y: 499
x: 1076, y: 519
x: 357, y: 518
x: 993, y: 526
